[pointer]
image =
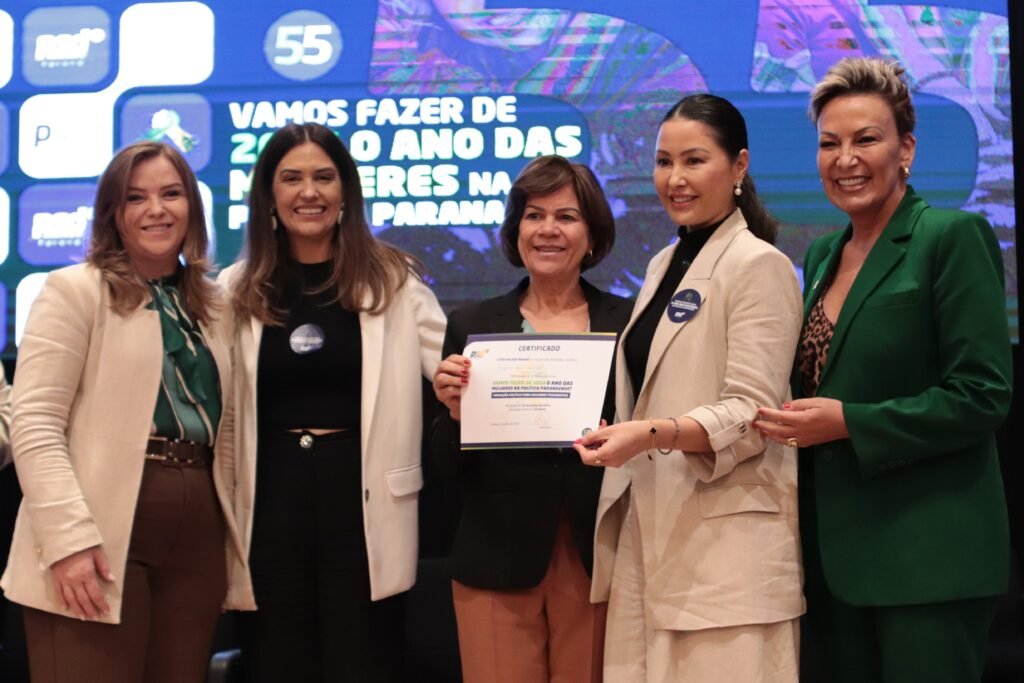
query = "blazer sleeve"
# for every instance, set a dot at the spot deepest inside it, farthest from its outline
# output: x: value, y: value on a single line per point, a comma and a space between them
x: 5, y: 420
x: 972, y: 396
x: 226, y: 439
x: 223, y: 327
x: 51, y: 360
x: 764, y: 317
x: 445, y: 433
x: 430, y: 324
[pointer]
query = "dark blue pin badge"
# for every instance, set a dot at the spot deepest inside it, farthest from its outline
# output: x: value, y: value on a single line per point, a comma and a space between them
x: 683, y: 306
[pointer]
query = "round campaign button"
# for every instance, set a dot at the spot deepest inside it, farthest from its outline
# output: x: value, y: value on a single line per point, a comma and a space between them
x: 683, y: 306
x: 306, y: 339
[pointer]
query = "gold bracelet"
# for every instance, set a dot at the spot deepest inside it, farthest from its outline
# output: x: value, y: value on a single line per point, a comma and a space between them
x: 675, y: 437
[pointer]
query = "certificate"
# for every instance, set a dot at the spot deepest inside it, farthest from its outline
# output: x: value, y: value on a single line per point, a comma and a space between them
x: 534, y: 390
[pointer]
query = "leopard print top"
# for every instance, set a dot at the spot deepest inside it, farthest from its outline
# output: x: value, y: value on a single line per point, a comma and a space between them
x: 814, y: 343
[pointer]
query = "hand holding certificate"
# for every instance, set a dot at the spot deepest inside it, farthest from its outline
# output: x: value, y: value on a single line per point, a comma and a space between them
x: 534, y: 390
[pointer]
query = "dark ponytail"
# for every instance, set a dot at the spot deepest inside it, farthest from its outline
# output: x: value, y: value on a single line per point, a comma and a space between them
x: 730, y: 131
x: 760, y: 222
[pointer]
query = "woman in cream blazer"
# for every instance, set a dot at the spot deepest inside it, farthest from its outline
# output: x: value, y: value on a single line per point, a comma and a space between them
x: 335, y: 334
x: 697, y: 538
x: 118, y: 533
x: 400, y: 346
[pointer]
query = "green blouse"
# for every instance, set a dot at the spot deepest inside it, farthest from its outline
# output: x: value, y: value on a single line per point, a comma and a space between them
x: 188, y: 404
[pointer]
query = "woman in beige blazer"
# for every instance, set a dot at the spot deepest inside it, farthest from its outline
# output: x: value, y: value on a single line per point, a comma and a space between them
x: 336, y: 331
x: 696, y: 541
x: 5, y: 420
x: 122, y: 435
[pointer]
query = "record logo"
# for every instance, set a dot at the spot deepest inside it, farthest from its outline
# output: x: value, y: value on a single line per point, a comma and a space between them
x: 66, y: 46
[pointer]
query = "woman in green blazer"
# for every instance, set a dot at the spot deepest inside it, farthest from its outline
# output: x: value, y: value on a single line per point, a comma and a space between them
x: 904, y: 375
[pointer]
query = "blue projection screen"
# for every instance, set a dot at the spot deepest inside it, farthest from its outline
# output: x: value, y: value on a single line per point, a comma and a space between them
x: 443, y: 101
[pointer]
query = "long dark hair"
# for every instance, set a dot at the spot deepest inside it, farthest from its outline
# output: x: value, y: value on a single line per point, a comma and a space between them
x: 730, y: 131
x: 366, y: 272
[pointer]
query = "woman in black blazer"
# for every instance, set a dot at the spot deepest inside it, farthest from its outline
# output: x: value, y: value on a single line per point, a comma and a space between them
x: 523, y: 552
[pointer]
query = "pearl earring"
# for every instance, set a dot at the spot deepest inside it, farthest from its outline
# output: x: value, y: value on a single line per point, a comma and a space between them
x: 738, y: 190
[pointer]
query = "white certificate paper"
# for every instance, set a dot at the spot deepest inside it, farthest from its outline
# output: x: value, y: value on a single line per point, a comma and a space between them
x: 534, y: 390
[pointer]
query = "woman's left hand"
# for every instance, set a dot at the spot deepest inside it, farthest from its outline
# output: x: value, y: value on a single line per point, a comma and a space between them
x: 803, y: 422
x: 613, y: 446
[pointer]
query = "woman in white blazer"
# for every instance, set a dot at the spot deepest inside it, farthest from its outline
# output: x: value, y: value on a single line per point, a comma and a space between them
x: 697, y: 537
x: 122, y: 436
x: 335, y: 330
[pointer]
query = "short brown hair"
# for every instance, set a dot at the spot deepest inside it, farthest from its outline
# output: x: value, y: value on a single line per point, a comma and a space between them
x: 128, y: 288
x: 548, y: 174
x: 866, y: 76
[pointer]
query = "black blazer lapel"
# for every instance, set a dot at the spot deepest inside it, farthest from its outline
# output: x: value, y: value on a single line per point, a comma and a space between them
x: 606, y: 311
x: 503, y: 316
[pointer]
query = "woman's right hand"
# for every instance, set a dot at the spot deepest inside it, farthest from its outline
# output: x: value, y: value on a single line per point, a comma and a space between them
x: 808, y: 421
x: 451, y: 376
x: 76, y: 579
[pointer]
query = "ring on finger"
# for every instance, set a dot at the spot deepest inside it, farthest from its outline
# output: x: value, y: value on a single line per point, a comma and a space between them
x: 792, y: 442
x: 597, y: 460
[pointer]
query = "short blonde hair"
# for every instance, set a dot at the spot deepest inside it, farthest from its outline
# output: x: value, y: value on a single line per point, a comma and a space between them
x: 866, y: 76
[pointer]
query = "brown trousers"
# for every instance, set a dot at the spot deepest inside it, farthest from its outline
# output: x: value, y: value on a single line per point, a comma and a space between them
x: 175, y: 582
x: 547, y: 633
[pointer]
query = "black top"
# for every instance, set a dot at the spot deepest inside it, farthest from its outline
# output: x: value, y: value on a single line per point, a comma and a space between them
x: 514, y: 499
x: 637, y: 344
x: 310, y: 368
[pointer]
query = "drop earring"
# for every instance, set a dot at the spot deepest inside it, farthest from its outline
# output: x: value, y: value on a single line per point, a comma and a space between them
x: 273, y: 220
x: 905, y: 172
x: 738, y: 189
x: 341, y: 213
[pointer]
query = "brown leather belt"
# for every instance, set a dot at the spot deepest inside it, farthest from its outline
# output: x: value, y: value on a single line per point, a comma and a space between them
x: 179, y: 452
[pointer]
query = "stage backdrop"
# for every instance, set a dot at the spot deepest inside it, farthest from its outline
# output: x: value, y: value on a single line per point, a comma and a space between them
x: 443, y: 101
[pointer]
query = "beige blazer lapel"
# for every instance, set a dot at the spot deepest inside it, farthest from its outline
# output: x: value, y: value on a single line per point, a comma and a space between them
x: 257, y: 333
x: 218, y: 341
x: 371, y: 329
x: 624, y: 386
x: 248, y: 352
x: 219, y: 349
x: 698, y: 279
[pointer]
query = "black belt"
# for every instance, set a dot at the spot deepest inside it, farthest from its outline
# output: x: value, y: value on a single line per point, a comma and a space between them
x: 179, y: 452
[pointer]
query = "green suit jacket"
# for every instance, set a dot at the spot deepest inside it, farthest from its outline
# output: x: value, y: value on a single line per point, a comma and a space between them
x: 910, y: 509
